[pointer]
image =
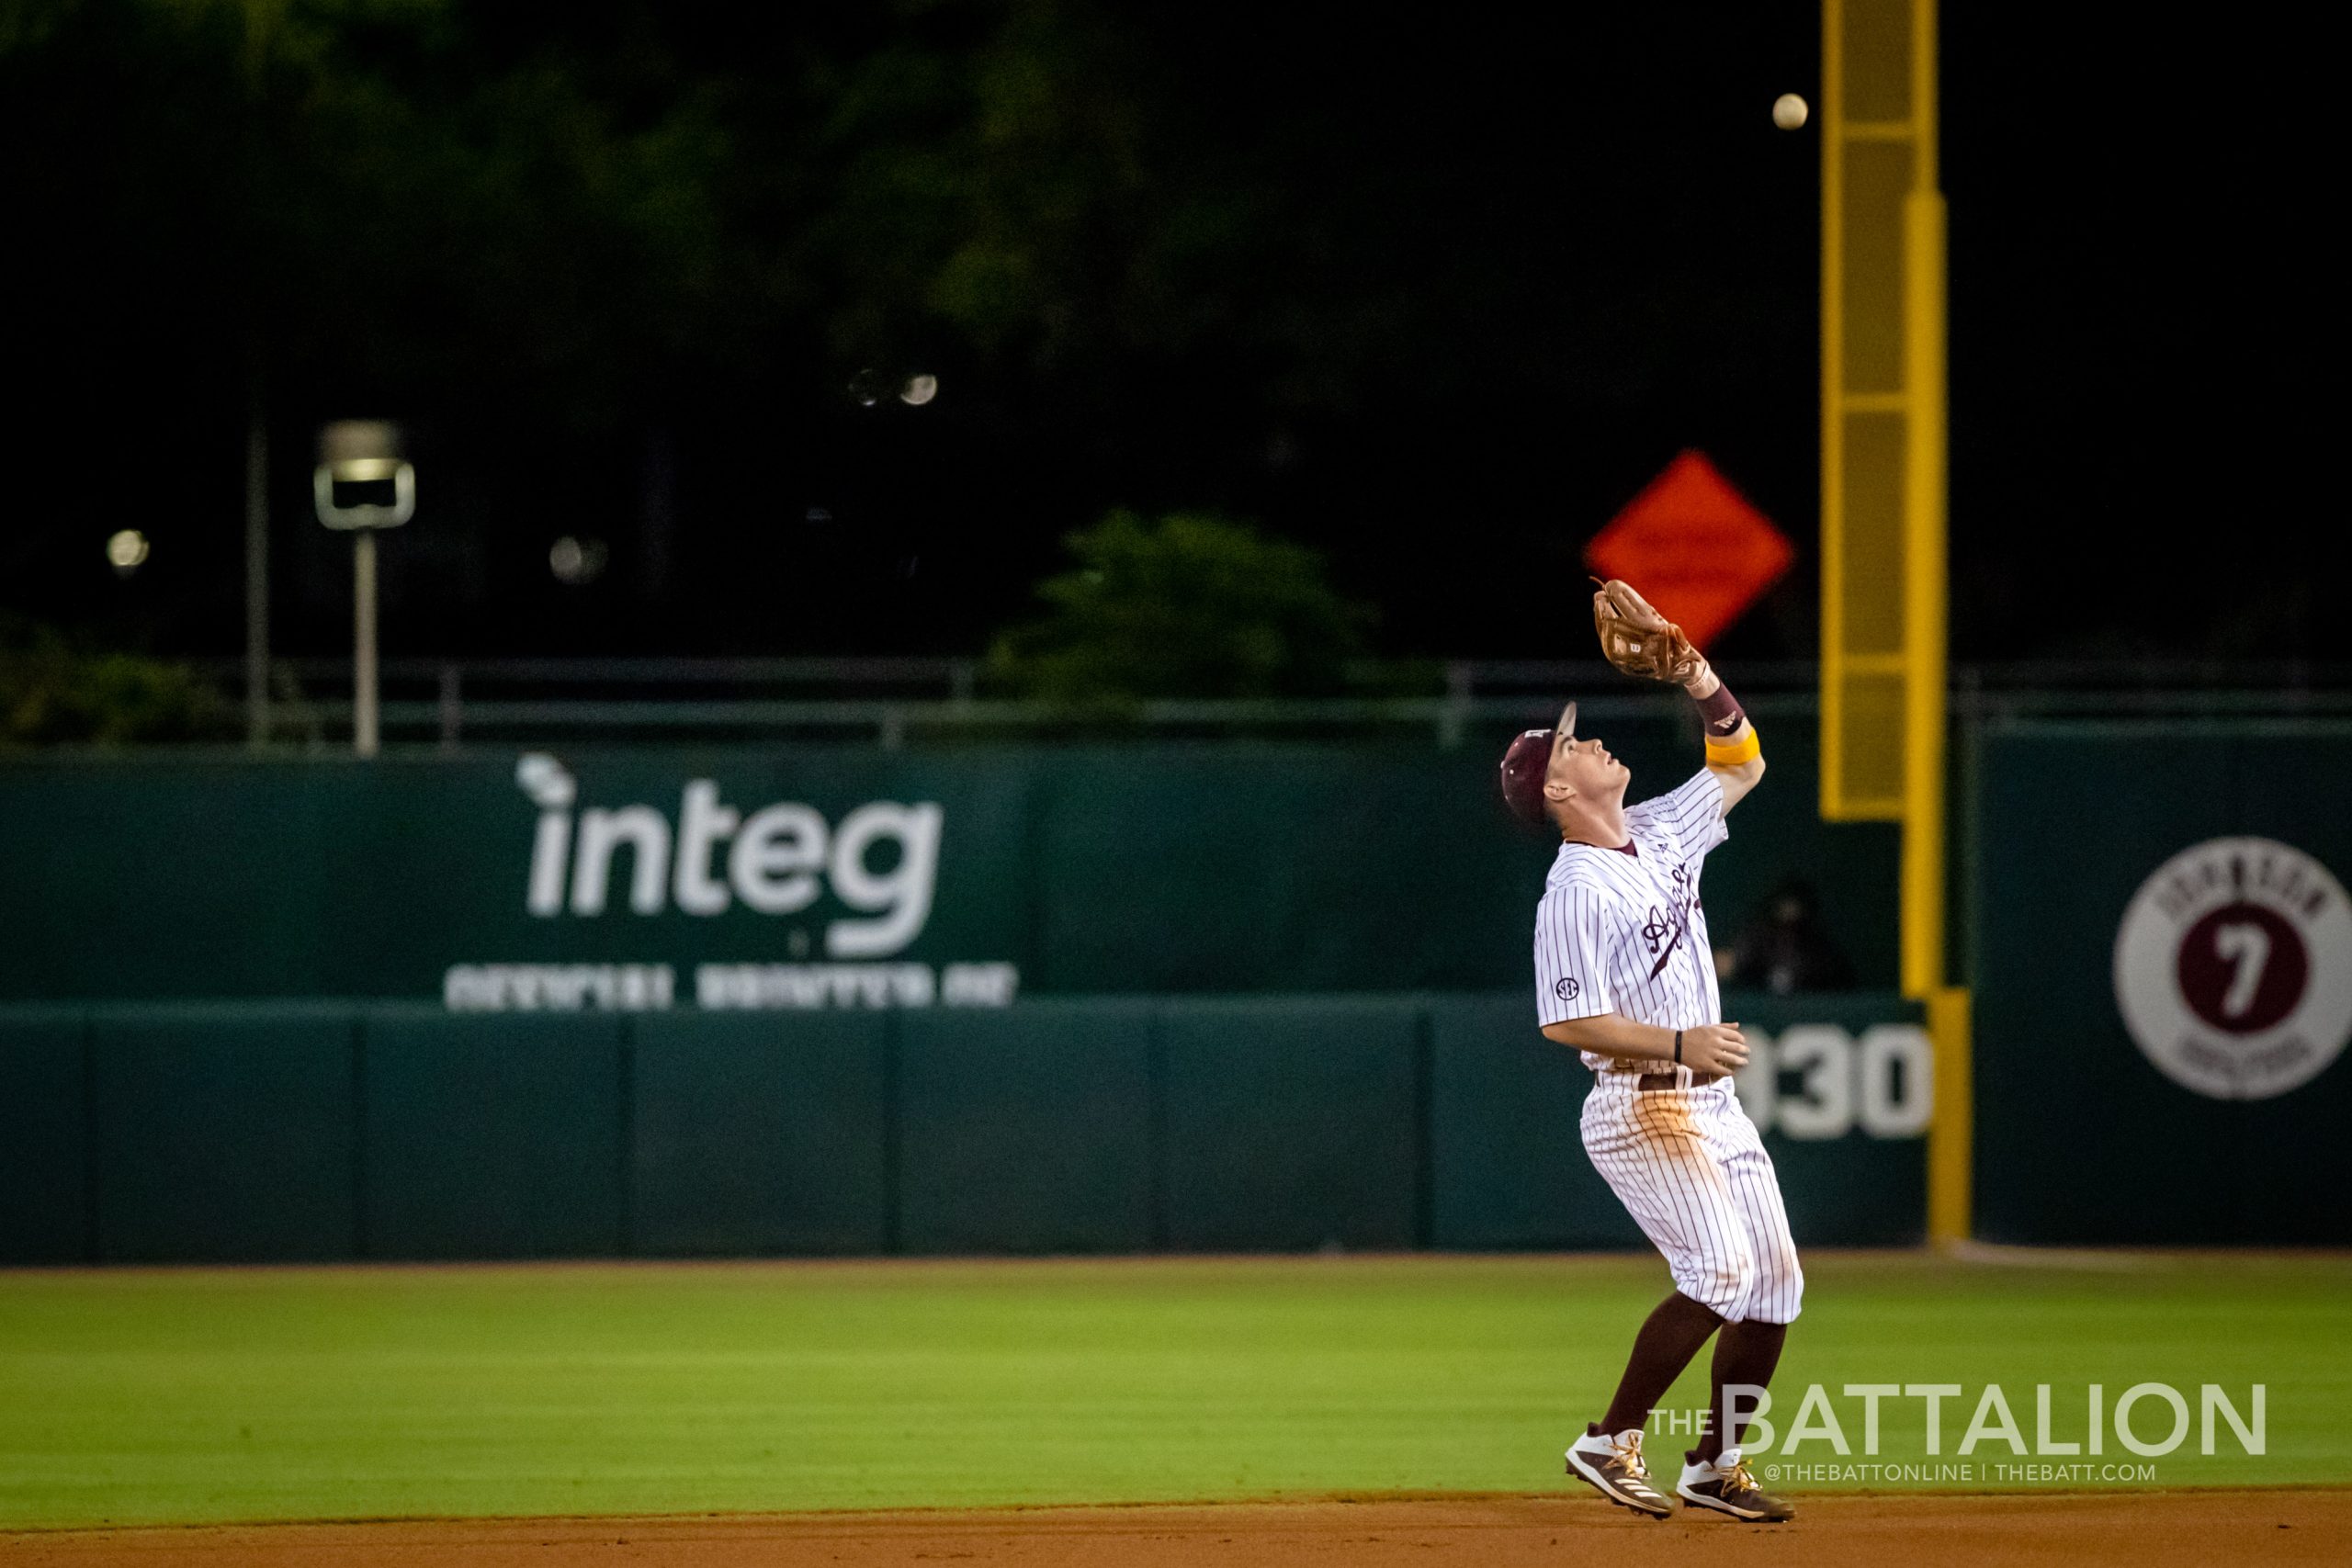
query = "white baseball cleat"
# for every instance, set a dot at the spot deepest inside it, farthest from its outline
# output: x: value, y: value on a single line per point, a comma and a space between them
x: 1727, y: 1487
x: 1614, y: 1466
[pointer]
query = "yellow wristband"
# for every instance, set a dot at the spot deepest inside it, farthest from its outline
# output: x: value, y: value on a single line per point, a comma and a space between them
x: 1732, y: 753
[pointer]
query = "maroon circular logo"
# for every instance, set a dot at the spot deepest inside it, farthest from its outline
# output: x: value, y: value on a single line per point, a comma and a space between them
x: 2234, y: 968
x: 2243, y: 967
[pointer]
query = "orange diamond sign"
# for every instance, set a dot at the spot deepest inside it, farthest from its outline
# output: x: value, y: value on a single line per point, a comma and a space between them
x: 1694, y: 546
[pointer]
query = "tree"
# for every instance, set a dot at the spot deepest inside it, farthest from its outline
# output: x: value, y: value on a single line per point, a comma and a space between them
x: 53, y: 692
x: 1189, y: 605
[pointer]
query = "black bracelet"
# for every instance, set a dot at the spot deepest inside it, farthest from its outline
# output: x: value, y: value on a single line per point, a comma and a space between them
x: 1678, y: 1047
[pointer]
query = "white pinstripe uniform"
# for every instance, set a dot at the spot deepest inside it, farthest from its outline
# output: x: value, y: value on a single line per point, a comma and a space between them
x: 1623, y: 932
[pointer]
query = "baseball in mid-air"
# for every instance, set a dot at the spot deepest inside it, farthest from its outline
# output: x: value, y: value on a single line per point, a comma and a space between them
x: 1789, y: 111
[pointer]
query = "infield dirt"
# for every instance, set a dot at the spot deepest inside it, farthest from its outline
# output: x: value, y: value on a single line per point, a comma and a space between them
x: 2081, y: 1530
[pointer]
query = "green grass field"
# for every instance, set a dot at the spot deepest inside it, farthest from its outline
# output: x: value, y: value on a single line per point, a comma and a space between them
x: 171, y: 1395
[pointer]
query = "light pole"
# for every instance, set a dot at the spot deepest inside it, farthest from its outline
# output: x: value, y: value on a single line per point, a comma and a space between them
x: 256, y: 567
x: 363, y: 483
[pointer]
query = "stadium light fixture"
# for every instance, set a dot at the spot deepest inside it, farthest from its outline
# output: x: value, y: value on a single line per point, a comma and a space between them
x: 363, y: 483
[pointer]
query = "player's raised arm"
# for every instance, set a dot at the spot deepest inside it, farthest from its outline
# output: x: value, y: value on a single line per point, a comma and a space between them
x: 1640, y: 641
x: 1734, y: 754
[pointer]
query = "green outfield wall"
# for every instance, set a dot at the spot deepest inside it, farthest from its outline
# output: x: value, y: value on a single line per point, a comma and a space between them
x: 805, y: 1001
x: 2162, y: 982
x: 828, y: 876
x: 268, y: 1132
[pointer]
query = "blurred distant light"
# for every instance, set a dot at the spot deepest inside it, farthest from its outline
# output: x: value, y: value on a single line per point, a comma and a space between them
x: 919, y: 389
x: 576, y: 562
x: 127, y: 550
x: 1790, y: 110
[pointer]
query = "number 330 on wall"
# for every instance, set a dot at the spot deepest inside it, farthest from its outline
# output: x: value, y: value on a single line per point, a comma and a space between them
x: 1818, y: 1081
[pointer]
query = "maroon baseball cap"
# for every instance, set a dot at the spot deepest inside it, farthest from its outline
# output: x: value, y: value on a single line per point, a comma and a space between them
x: 1526, y: 761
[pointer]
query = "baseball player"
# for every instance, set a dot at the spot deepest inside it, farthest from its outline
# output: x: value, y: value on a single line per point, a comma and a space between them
x: 1625, y: 975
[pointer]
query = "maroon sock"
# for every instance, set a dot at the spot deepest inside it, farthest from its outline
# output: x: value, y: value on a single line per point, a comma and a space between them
x: 1663, y: 1347
x: 1747, y: 1353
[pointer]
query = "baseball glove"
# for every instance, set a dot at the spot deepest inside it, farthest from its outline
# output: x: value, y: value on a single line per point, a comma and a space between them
x: 1639, y: 640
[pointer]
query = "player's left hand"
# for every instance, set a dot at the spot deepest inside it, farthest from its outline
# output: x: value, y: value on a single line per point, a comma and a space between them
x: 1640, y: 641
x: 1718, y: 1049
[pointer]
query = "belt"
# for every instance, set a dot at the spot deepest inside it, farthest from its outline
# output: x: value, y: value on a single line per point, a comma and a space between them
x: 1649, y: 1081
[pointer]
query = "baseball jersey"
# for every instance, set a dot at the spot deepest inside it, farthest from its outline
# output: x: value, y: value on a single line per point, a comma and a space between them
x: 1622, y: 931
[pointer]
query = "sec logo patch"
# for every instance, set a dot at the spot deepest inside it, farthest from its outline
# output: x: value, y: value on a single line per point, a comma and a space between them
x: 1565, y: 988
x: 2234, y: 968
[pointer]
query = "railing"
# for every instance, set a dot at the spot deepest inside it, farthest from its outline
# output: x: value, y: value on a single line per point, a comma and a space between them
x: 887, y: 701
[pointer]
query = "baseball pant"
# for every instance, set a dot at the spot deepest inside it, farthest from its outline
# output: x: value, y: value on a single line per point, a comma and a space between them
x: 1690, y: 1166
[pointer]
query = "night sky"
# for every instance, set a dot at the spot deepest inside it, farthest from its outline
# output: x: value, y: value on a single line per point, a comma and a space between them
x: 1422, y: 289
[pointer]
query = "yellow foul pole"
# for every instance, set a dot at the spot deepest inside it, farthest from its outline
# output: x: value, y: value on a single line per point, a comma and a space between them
x: 1884, y: 486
